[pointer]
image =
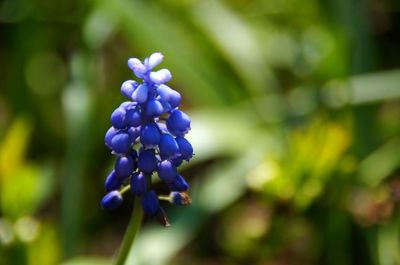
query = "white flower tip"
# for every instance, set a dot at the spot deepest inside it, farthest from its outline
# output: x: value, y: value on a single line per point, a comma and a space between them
x: 155, y: 59
x: 160, y: 77
x: 137, y: 67
x: 140, y: 94
x: 134, y: 63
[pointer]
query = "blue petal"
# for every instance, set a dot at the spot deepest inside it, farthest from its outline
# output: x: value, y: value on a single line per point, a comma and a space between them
x: 179, y: 122
x: 128, y: 87
x: 185, y: 148
x: 121, y: 143
x: 178, y: 184
x: 137, y: 67
x: 150, y: 135
x: 174, y: 99
x: 177, y: 161
x: 118, y: 118
x: 140, y: 94
x: 154, y: 59
x: 134, y: 133
x: 133, y: 117
x: 172, y: 130
x: 128, y: 105
x: 147, y: 161
x: 165, y: 105
x: 150, y: 203
x: 168, y: 147
x: 109, y: 135
x: 111, y: 200
x: 138, y: 184
x: 168, y: 94
x: 124, y: 166
x: 161, y: 76
x: 154, y: 108
x: 112, y: 182
x: 167, y: 171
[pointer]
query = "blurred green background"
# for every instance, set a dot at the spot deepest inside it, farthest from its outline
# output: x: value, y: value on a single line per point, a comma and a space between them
x: 295, y: 108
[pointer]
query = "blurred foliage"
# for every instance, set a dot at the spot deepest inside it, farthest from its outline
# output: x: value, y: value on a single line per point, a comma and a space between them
x: 295, y: 108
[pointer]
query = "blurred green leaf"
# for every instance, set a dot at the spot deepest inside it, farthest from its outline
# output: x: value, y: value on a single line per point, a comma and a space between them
x: 237, y: 41
x: 213, y: 132
x: 380, y: 163
x: 13, y: 147
x: 87, y: 261
x: 221, y: 186
x: 388, y: 243
x: 77, y: 105
x: 22, y: 191
x: 363, y: 89
x: 45, y: 249
x: 301, y: 173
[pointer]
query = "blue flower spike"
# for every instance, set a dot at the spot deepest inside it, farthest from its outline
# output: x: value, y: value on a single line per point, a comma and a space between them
x: 145, y: 144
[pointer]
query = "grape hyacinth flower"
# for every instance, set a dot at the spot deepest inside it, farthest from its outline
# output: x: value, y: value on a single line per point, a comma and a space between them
x: 147, y: 137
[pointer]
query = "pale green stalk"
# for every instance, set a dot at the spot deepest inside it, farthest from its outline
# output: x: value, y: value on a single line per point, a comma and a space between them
x: 130, y: 234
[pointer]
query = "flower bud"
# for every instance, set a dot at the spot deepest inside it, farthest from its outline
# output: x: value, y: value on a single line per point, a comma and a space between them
x: 137, y: 67
x: 150, y: 203
x: 140, y: 94
x: 147, y: 161
x: 154, y: 108
x: 111, y: 132
x: 168, y: 94
x: 178, y: 184
x: 124, y: 166
x: 166, y: 106
x: 133, y: 117
x: 111, y: 200
x: 161, y: 76
x: 166, y: 171
x: 168, y: 147
x: 134, y: 133
x: 154, y: 59
x: 185, y: 148
x: 118, y: 118
x: 121, y: 143
x: 178, y: 122
x: 127, y: 105
x: 112, y: 182
x: 128, y: 87
x: 177, y: 161
x: 150, y: 135
x: 138, y: 184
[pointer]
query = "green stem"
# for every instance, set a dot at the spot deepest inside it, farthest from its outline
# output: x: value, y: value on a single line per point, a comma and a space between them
x: 125, y: 189
x: 130, y: 234
x: 164, y: 198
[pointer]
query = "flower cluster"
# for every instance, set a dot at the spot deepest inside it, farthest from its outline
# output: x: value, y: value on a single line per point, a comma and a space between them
x: 147, y: 137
